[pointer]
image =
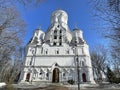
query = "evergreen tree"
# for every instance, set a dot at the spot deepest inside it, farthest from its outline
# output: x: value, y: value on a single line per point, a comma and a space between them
x: 110, y: 75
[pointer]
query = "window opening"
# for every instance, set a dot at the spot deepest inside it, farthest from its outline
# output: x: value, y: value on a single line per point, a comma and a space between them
x: 55, y: 37
x: 60, y: 43
x: 67, y: 51
x: 47, y: 74
x: 57, y: 52
x: 60, y: 37
x: 60, y: 31
x: 40, y: 73
x: 55, y: 31
x: 63, y: 74
x: 46, y: 52
x: 31, y: 62
x: 54, y: 43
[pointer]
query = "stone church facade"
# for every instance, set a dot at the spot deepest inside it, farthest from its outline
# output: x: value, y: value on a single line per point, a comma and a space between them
x: 51, y: 56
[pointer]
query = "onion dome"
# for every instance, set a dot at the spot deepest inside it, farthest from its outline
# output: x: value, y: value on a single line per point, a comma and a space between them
x: 38, y: 37
x: 77, y: 37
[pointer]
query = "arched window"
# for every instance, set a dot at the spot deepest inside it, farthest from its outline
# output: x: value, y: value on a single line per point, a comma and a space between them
x: 55, y: 32
x: 64, y: 74
x: 57, y: 52
x: 55, y: 37
x: 54, y: 43
x: 60, y: 37
x: 60, y: 31
x: 46, y: 51
x: 83, y: 64
x: 47, y: 74
x: 31, y: 62
x: 60, y: 43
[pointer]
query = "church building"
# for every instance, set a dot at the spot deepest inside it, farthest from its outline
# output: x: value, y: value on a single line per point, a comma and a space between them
x: 56, y: 55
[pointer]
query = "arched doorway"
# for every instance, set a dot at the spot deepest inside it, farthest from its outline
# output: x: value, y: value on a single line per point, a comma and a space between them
x: 28, y: 77
x: 55, y: 78
x: 84, y: 77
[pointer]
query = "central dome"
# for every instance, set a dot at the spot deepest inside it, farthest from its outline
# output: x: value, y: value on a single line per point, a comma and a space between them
x: 59, y: 16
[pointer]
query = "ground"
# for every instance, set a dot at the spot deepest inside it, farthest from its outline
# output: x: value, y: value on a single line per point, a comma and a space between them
x: 61, y: 87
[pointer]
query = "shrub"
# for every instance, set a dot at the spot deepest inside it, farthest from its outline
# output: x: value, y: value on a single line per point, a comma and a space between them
x: 71, y: 81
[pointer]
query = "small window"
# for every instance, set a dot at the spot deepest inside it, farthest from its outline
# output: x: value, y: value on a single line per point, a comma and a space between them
x: 83, y: 64
x: 56, y: 64
x: 60, y: 43
x: 40, y: 73
x: 67, y: 51
x: 75, y: 42
x: 60, y: 37
x: 46, y: 52
x: 47, y: 74
x: 54, y: 43
x: 55, y: 31
x: 63, y: 74
x: 31, y: 62
x: 57, y: 52
x: 55, y: 37
x: 82, y: 50
x: 60, y: 31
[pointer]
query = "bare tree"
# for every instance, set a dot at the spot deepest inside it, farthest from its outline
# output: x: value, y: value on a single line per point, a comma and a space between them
x: 99, y: 61
x: 12, y: 30
x: 109, y: 11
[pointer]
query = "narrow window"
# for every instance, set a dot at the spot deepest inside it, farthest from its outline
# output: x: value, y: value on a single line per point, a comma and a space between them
x: 63, y: 74
x: 67, y: 51
x: 60, y: 37
x: 54, y: 43
x: 82, y: 50
x: 46, y: 52
x: 47, y: 74
x: 83, y: 63
x: 40, y: 73
x: 55, y: 32
x: 55, y: 37
x: 60, y: 43
x: 31, y: 62
x: 57, y: 52
x: 60, y: 31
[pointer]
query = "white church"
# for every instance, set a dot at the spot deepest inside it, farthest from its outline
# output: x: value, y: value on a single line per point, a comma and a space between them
x: 54, y: 56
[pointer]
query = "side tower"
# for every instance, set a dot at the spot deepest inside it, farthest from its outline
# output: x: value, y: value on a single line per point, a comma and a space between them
x: 81, y: 52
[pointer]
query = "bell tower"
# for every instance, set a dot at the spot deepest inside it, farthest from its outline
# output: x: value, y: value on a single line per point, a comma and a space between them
x: 58, y: 32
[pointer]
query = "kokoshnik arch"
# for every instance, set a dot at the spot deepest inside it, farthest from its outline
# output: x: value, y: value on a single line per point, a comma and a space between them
x: 50, y: 56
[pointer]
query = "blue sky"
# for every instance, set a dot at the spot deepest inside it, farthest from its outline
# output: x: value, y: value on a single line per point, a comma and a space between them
x: 79, y: 14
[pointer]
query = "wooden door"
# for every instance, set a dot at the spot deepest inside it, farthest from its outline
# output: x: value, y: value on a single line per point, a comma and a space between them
x: 84, y: 77
x: 28, y: 77
x: 55, y: 78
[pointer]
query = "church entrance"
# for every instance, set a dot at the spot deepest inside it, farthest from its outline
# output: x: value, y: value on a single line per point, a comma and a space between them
x: 27, y: 77
x: 84, y: 77
x: 55, y: 78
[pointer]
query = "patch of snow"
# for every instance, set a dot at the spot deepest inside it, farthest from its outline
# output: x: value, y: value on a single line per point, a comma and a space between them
x: 2, y: 84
